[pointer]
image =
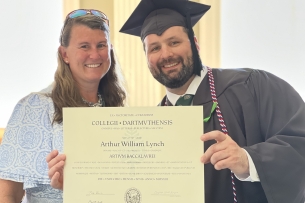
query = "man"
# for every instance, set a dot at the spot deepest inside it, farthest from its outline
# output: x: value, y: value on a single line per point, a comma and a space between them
x: 254, y: 122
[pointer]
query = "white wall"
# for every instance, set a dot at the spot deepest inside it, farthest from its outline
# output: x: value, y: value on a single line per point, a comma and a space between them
x: 29, y: 32
x: 267, y: 35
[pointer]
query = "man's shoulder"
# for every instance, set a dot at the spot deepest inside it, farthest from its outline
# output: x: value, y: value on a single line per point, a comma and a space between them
x: 233, y: 73
x: 225, y: 78
x: 228, y: 77
x: 162, y: 103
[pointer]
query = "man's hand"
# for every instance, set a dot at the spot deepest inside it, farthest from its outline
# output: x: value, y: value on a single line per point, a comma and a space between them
x: 225, y: 154
x: 56, y: 165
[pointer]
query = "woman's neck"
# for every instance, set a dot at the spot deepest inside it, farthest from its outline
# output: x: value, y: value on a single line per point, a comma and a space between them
x: 89, y: 93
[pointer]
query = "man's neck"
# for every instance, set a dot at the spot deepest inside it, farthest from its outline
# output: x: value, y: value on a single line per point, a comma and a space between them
x: 181, y: 90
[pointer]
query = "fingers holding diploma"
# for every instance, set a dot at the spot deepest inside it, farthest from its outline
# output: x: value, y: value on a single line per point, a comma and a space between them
x: 56, y: 164
x: 225, y: 153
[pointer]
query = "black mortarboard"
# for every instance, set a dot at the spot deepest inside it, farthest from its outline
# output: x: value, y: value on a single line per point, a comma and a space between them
x: 156, y: 16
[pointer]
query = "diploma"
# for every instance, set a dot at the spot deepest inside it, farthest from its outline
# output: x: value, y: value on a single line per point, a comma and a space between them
x: 133, y: 155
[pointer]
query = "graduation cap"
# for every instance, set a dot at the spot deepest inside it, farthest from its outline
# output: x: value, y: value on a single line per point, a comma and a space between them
x: 156, y: 16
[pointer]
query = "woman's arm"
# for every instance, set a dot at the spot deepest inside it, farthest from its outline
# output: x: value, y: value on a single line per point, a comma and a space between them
x: 11, y: 192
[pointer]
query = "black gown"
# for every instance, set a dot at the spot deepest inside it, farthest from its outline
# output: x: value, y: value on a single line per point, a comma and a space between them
x: 266, y: 117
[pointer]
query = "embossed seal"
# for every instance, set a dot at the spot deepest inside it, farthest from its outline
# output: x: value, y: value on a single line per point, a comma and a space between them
x: 133, y: 195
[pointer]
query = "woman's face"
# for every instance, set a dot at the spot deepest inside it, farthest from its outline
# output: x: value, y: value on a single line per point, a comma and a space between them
x: 88, y: 54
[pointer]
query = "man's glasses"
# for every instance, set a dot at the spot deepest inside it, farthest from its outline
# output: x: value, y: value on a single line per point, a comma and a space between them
x: 83, y: 12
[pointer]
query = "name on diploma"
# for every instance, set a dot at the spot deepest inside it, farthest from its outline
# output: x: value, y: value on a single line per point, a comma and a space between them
x: 133, y: 144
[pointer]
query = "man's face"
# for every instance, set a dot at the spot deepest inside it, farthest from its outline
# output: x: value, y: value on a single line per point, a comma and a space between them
x: 169, y: 57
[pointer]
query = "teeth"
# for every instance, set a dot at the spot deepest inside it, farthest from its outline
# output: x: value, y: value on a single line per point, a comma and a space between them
x: 170, y: 65
x: 93, y: 65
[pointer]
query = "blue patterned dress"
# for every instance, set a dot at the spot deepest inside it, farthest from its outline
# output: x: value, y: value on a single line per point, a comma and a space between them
x: 29, y: 137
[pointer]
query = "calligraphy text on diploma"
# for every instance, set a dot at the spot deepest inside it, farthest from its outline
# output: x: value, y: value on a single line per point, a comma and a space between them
x: 133, y: 155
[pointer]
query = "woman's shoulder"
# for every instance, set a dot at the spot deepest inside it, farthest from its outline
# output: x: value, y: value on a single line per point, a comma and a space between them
x: 36, y: 99
x: 32, y: 108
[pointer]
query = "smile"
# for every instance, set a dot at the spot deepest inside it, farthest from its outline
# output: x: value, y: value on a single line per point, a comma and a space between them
x: 93, y: 65
x: 170, y: 65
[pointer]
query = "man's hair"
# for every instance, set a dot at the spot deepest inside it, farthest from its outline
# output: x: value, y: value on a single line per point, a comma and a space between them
x: 65, y: 92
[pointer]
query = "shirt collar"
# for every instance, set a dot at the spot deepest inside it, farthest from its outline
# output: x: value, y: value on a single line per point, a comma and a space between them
x: 191, y: 89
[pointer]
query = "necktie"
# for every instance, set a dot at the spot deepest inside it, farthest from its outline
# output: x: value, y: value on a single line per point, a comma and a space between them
x: 185, y: 100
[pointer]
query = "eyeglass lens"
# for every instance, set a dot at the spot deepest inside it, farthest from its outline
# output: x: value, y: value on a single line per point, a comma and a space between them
x: 98, y: 13
x: 81, y: 12
x: 78, y: 13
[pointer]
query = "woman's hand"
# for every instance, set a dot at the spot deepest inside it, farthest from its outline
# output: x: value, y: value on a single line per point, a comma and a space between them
x: 56, y: 163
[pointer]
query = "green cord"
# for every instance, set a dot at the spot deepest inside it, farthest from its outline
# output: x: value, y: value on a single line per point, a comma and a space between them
x: 212, y: 110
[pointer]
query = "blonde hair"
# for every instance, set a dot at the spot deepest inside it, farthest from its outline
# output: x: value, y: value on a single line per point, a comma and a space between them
x: 65, y: 92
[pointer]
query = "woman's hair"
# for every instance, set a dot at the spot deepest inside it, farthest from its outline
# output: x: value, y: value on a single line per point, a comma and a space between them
x: 65, y: 93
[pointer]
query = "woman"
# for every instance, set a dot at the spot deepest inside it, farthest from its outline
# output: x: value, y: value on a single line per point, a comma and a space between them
x: 87, y: 75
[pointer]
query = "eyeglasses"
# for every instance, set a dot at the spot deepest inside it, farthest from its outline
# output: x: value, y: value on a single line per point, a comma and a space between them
x: 83, y: 12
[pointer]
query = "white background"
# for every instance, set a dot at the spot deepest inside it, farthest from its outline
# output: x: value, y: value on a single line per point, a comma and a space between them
x: 265, y: 34
x: 29, y: 32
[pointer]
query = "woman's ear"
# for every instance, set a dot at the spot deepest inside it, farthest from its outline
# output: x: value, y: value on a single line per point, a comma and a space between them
x: 196, y: 43
x: 62, y: 51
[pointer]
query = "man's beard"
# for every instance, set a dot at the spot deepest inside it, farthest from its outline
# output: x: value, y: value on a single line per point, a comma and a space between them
x: 181, y: 77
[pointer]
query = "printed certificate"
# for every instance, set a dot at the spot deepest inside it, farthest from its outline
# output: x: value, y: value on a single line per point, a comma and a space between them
x: 133, y: 155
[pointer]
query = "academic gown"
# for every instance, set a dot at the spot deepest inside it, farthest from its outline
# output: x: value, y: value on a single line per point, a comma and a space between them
x: 266, y: 117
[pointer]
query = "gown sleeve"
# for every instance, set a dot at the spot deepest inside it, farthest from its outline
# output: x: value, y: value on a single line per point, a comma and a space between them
x: 280, y: 159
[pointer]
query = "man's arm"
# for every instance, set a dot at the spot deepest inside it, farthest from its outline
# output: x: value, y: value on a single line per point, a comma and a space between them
x: 253, y: 177
x: 280, y: 158
x: 11, y: 192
